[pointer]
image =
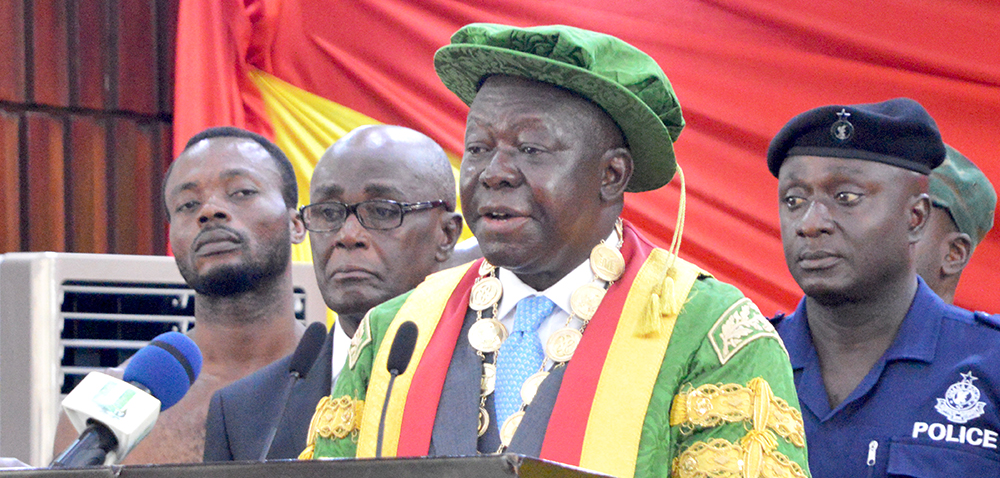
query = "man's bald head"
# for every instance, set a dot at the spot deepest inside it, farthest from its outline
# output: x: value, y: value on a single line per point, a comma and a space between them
x: 399, y: 147
x: 358, y: 268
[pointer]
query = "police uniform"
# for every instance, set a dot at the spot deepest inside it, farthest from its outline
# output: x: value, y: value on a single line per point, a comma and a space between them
x: 927, y: 408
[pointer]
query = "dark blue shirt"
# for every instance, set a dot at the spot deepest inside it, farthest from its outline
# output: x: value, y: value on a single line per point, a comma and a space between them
x: 927, y: 408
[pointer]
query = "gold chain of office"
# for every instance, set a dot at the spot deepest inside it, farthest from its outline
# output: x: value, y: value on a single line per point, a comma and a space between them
x: 487, y: 334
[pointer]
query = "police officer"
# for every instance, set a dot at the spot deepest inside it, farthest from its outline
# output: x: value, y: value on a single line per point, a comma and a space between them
x: 963, y: 203
x: 892, y: 380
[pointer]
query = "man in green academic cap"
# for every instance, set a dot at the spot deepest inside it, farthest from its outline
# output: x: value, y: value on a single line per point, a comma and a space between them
x: 575, y: 340
x: 963, y: 203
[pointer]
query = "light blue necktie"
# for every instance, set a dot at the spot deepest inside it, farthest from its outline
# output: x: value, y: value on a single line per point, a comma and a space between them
x: 521, y: 354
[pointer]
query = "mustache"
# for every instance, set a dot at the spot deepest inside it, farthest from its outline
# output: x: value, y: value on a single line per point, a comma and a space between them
x: 213, y: 234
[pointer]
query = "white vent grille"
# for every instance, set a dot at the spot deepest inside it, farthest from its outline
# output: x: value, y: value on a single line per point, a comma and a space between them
x: 65, y: 315
x: 104, y: 323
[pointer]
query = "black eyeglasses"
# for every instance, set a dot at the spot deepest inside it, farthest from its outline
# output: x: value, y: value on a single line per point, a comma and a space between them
x: 375, y: 214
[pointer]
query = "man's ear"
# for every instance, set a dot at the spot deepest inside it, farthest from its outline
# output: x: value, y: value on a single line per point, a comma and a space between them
x: 451, y: 228
x: 920, y: 213
x: 617, y: 170
x: 959, y: 253
x: 296, y: 226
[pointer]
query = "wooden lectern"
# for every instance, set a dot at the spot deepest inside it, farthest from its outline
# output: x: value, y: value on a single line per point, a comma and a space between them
x: 490, y: 466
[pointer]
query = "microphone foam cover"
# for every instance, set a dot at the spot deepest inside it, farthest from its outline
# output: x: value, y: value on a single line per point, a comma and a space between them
x: 307, y: 350
x: 168, y: 366
x: 402, y: 347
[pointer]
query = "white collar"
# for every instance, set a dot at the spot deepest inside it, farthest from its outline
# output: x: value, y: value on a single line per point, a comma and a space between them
x: 514, y: 289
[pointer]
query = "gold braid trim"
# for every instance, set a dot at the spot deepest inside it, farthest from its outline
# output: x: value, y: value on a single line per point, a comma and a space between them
x: 333, y: 419
x: 307, y: 454
x: 713, y: 405
x: 720, y: 458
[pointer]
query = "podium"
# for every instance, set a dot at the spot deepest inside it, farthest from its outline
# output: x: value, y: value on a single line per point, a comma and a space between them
x: 489, y: 466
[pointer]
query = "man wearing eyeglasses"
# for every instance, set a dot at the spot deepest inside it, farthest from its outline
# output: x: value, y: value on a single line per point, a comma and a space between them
x: 382, y: 218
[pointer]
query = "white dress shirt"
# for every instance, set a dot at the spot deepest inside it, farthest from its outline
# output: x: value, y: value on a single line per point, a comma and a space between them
x: 341, y: 344
x: 559, y: 293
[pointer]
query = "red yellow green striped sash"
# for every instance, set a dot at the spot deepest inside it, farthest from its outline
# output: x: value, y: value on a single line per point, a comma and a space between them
x: 439, y: 317
x: 590, y: 425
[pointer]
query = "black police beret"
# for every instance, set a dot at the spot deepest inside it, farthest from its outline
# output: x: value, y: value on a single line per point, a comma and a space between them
x: 898, y: 132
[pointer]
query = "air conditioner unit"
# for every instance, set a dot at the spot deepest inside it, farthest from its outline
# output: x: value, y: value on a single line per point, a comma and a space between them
x: 63, y: 315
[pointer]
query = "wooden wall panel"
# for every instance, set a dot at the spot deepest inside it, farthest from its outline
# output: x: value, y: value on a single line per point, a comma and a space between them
x: 45, y: 201
x: 85, y: 124
x: 12, y: 51
x: 90, y: 62
x: 50, y: 56
x: 163, y: 136
x: 137, y: 80
x: 10, y: 183
x: 87, y: 211
x: 132, y: 188
x: 167, y: 32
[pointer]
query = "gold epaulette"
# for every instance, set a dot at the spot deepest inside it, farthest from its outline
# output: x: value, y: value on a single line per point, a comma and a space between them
x: 333, y: 419
x: 712, y: 405
x: 721, y: 459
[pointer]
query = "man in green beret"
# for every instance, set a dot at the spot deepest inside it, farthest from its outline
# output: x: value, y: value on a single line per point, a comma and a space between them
x: 963, y: 203
x: 576, y: 340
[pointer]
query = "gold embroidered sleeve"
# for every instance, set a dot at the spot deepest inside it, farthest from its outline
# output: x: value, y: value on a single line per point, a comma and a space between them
x: 334, y: 418
x: 712, y: 405
x: 720, y: 458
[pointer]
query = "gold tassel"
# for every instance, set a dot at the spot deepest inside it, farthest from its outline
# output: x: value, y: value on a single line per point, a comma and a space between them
x: 675, y: 242
x: 664, y: 303
x: 668, y: 305
x: 649, y: 324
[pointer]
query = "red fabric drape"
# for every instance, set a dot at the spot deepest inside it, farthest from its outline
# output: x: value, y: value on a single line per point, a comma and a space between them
x: 742, y: 68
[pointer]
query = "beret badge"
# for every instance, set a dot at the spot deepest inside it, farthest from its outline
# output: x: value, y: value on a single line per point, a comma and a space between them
x: 842, y: 130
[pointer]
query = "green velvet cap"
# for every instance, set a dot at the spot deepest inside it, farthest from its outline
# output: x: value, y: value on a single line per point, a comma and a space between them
x: 960, y: 187
x: 621, y: 79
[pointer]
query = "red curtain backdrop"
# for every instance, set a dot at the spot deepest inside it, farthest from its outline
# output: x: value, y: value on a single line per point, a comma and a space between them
x: 742, y: 68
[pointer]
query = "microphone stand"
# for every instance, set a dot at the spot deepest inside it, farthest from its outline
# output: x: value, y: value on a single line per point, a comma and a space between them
x: 281, y: 413
x: 385, y: 406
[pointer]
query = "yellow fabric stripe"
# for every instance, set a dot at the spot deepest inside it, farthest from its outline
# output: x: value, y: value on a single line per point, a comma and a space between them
x: 304, y: 126
x: 611, y: 442
x: 424, y: 307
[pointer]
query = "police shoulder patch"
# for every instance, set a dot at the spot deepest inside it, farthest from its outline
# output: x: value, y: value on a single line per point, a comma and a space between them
x: 362, y: 337
x: 739, y: 325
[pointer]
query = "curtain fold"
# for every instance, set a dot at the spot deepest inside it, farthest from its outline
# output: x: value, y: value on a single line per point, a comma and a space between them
x: 741, y: 68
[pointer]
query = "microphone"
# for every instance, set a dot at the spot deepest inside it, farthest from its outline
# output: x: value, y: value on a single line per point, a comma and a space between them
x: 302, y: 360
x: 114, y: 415
x: 399, y: 359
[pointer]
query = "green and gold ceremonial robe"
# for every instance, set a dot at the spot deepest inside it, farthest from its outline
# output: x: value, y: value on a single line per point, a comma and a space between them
x: 677, y: 374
